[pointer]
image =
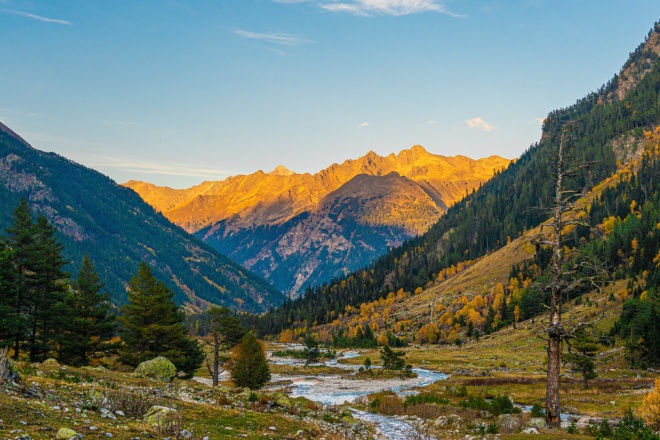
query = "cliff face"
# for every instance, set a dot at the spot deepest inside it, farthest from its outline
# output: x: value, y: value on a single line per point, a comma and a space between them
x: 300, y: 229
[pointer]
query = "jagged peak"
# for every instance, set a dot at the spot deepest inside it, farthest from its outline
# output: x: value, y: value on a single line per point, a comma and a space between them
x: 281, y: 170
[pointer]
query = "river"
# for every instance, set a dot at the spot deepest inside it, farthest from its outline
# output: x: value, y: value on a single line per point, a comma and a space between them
x: 336, y: 389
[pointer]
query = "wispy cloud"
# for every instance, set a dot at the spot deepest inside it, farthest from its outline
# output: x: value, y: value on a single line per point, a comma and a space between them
x: 433, y: 122
x: 538, y: 121
x: 145, y: 167
x: 280, y: 38
x: 480, y: 124
x: 120, y: 123
x: 379, y: 7
x: 36, y: 17
x: 363, y: 124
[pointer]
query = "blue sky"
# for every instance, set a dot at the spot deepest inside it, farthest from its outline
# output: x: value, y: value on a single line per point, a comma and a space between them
x: 177, y: 92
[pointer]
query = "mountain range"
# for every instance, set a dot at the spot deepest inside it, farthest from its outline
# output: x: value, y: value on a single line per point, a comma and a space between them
x: 95, y: 215
x: 298, y: 230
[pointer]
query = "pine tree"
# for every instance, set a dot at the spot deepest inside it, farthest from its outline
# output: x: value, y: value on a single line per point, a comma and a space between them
x: 392, y: 360
x: 152, y: 325
x: 8, y: 317
x: 89, y: 325
x: 312, y: 353
x: 20, y: 238
x: 582, y: 351
x: 248, y: 365
x: 49, y: 288
x: 227, y: 332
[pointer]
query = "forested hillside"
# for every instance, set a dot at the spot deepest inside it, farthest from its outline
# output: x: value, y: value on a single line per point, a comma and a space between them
x: 95, y: 215
x: 608, y: 126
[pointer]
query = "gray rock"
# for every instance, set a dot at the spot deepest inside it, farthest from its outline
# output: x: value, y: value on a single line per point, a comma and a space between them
x: 536, y: 422
x: 508, y: 423
x: 530, y: 431
x: 186, y: 434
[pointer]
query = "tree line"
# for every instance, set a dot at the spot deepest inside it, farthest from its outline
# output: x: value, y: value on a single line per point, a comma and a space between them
x: 44, y: 313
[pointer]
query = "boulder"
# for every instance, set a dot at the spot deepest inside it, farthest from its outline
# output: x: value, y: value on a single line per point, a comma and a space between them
x: 536, y: 422
x: 284, y: 402
x: 508, y: 423
x: 66, y: 433
x: 158, y: 369
x: 530, y: 431
x: 160, y: 417
x: 50, y: 362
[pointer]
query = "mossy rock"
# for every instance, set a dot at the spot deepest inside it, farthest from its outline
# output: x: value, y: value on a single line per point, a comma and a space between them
x: 50, y: 362
x: 160, y: 417
x: 66, y: 433
x: 159, y: 368
x: 284, y: 402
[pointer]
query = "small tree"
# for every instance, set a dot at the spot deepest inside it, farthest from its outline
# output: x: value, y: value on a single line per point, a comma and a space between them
x: 248, y: 364
x: 582, y: 349
x: 89, y: 325
x: 392, y: 359
x: 226, y: 332
x: 312, y: 352
x: 367, y: 363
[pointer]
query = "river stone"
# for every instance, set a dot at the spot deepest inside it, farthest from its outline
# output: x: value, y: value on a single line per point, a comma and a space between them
x: 159, y: 369
x: 65, y: 433
x: 160, y: 416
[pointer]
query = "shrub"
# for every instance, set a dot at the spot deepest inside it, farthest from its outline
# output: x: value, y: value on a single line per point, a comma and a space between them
x: 537, y: 411
x: 651, y: 407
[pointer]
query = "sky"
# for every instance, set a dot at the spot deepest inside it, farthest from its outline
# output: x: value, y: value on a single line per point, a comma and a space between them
x: 178, y: 92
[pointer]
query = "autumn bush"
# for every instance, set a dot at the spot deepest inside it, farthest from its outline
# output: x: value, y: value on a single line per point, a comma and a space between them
x: 651, y: 407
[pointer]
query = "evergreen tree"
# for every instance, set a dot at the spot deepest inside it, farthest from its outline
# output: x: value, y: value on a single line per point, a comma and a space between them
x: 392, y: 360
x: 45, y: 303
x: 248, y: 365
x: 8, y: 317
x: 582, y: 350
x: 152, y: 325
x: 20, y: 238
x: 89, y: 325
x: 227, y: 332
x: 312, y: 353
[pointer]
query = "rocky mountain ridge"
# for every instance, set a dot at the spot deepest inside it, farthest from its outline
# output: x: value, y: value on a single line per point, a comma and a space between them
x: 298, y: 230
x: 95, y: 215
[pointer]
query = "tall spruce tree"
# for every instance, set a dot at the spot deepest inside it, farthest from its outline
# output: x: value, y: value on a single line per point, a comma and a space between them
x: 89, y: 325
x: 152, y: 325
x: 50, y: 284
x: 8, y: 317
x: 20, y: 238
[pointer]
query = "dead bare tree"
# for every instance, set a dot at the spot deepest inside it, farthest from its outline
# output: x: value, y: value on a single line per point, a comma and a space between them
x: 563, y: 279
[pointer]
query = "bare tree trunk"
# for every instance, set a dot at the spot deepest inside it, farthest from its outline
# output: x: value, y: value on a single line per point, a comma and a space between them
x: 216, y: 361
x: 5, y: 371
x: 555, y: 330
